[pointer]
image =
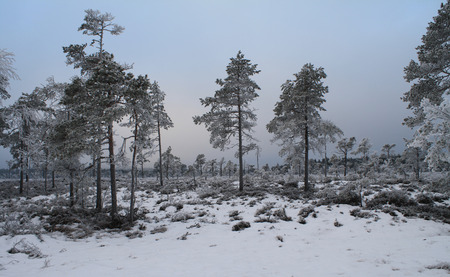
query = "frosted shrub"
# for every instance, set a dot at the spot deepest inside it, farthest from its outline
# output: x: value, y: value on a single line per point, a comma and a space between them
x: 205, y: 192
x: 241, y: 226
x: 27, y: 248
x: 182, y: 217
x: 394, y: 197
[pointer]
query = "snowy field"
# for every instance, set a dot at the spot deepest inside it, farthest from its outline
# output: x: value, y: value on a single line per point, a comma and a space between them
x: 183, y: 235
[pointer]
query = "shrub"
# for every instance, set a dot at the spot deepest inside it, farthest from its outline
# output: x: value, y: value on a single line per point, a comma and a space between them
x: 205, y: 192
x: 241, y: 226
x: 160, y: 229
x: 305, y: 212
x: 442, y: 265
x: 349, y: 196
x: 177, y: 205
x: 182, y: 217
x: 424, y: 199
x: 395, y: 197
x: 265, y: 209
x: 27, y: 248
x: 281, y: 214
x: 362, y: 214
x: 234, y: 215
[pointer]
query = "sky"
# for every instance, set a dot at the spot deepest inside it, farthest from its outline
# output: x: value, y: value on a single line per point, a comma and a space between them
x: 363, y: 47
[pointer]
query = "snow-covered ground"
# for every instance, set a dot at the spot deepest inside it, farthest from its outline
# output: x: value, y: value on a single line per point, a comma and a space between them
x: 333, y: 243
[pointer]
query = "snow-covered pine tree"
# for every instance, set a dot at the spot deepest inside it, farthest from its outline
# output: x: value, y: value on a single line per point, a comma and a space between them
x: 231, y: 114
x: 141, y: 120
x: 298, y: 111
x: 162, y: 121
x: 430, y: 77
x: 363, y: 149
x: 328, y: 132
x: 108, y: 84
x: 428, y: 97
x: 7, y: 72
x: 199, y: 162
x: 387, y: 148
x: 170, y: 163
x: 344, y: 146
x: 19, y: 119
x: 96, y: 25
x: 434, y: 135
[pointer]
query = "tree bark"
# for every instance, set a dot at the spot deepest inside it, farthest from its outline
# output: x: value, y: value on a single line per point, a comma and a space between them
x: 71, y: 189
x: 161, y: 181
x: 133, y: 176
x: 99, y: 204
x: 112, y: 171
x: 241, y: 170
x: 307, y: 188
x: 345, y: 163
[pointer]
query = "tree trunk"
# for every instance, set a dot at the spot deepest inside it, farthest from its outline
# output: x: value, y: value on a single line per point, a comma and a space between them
x: 345, y: 163
x: 160, y: 154
x: 241, y: 170
x: 71, y: 190
x: 307, y: 188
x: 326, y: 160
x: 53, y: 179
x: 133, y: 170
x: 45, y: 178
x: 21, y: 167
x: 99, y: 204
x: 417, y: 164
x: 133, y: 180
x: 21, y: 177
x: 112, y: 171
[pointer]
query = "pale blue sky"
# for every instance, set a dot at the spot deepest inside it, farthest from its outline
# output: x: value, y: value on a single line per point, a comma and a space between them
x: 186, y: 45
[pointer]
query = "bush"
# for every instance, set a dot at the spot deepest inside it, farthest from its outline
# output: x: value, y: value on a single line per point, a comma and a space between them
x: 177, y: 205
x: 395, y: 197
x: 349, y: 196
x: 305, y: 212
x: 182, y: 217
x: 281, y: 214
x: 27, y: 248
x: 206, y: 192
x: 424, y: 199
x: 234, y: 215
x: 362, y: 214
x: 160, y: 229
x: 241, y: 226
x: 265, y: 210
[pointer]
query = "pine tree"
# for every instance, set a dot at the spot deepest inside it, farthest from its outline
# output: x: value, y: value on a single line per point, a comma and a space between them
x: 108, y: 84
x: 20, y: 119
x: 430, y: 77
x: 328, y: 132
x: 297, y: 112
x: 7, y: 72
x: 428, y: 97
x: 96, y: 25
x: 363, y: 148
x: 344, y: 146
x: 230, y: 113
x: 162, y: 121
x: 138, y: 105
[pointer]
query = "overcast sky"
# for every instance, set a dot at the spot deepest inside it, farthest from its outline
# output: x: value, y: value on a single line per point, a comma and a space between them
x: 186, y: 45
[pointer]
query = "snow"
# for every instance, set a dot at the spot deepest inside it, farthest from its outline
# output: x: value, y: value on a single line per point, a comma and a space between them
x: 378, y: 246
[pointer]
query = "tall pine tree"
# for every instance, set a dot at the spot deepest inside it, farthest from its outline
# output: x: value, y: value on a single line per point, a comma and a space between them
x: 298, y: 110
x: 231, y: 114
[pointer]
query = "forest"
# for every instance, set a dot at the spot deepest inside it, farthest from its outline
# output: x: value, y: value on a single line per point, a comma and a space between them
x: 72, y: 176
